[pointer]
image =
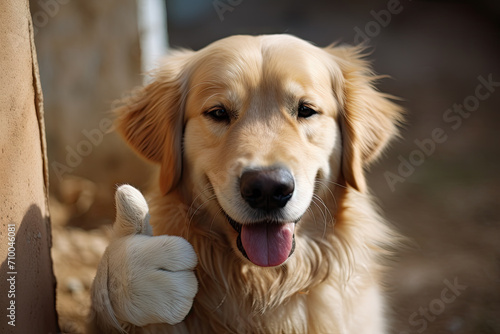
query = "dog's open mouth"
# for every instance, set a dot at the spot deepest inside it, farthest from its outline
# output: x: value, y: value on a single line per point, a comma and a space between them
x: 266, y: 244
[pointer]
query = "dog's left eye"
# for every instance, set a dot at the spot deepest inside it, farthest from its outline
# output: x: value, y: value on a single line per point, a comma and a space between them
x: 305, y: 111
x: 218, y: 114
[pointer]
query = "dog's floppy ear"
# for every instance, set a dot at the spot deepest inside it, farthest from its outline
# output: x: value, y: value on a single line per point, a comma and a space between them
x: 151, y: 119
x: 368, y: 118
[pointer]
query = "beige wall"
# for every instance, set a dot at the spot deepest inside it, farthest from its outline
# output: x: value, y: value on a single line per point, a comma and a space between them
x: 23, y: 183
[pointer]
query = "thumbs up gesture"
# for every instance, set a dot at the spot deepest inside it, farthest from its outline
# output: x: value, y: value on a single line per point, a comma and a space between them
x: 141, y: 279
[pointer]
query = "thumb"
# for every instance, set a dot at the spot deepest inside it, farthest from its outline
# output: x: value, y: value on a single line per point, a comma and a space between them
x: 132, y: 215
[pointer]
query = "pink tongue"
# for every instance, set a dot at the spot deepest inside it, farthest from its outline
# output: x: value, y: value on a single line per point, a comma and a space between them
x: 267, y: 244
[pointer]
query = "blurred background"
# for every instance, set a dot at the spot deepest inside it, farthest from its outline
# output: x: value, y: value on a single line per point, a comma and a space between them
x: 438, y: 184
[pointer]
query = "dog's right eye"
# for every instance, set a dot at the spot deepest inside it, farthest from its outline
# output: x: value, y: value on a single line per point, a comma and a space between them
x: 305, y: 111
x: 218, y: 114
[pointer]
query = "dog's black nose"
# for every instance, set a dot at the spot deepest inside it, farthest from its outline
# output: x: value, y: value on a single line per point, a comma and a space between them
x: 267, y: 189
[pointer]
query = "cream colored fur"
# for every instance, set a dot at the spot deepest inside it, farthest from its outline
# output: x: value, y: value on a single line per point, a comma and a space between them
x: 332, y: 282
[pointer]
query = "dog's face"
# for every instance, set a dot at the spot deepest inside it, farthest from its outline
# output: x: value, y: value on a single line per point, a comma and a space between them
x: 260, y: 128
x: 254, y: 128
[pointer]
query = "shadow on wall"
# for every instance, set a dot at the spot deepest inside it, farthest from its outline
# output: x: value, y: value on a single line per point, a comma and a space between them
x: 28, y: 270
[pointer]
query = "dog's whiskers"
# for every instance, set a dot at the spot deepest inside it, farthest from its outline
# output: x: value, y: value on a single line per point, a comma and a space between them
x: 325, y: 206
x: 208, y: 98
x: 323, y: 182
x: 220, y: 304
x: 316, y: 199
x: 332, y: 182
x: 311, y: 211
x: 209, y: 83
x: 191, y: 213
x: 213, y: 219
x: 207, y: 188
x: 323, y: 211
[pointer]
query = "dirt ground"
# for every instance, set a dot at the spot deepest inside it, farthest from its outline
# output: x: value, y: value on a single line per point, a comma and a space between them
x: 75, y: 255
x: 454, y: 227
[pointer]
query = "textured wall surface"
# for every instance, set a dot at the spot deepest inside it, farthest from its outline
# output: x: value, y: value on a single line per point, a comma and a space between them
x: 27, y: 287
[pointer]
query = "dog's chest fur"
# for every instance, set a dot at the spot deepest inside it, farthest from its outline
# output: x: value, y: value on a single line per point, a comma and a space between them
x: 327, y: 286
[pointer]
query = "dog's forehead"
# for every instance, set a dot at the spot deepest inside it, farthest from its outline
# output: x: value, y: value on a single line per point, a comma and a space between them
x: 254, y: 61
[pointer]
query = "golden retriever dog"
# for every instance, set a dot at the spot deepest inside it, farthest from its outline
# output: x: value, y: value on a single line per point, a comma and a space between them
x: 260, y: 221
